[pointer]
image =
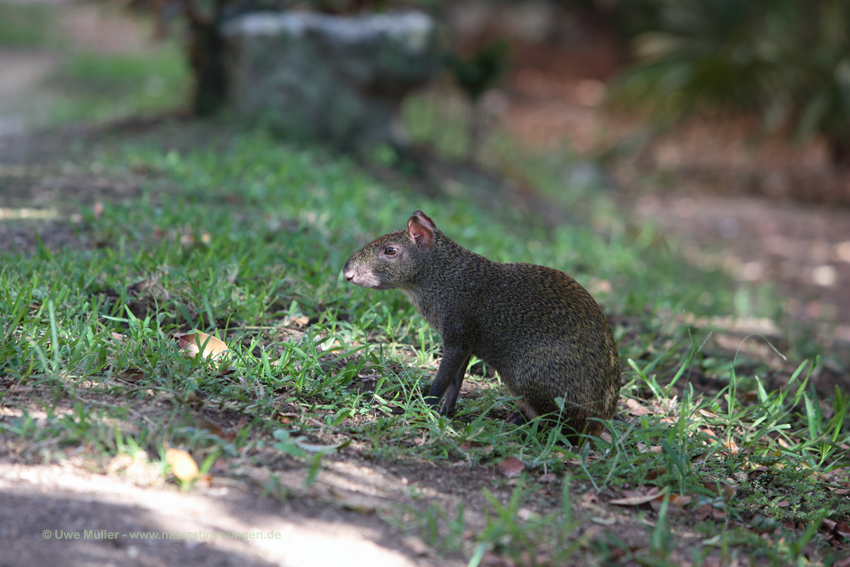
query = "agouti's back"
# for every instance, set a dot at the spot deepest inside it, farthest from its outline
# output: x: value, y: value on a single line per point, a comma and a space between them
x: 536, y: 326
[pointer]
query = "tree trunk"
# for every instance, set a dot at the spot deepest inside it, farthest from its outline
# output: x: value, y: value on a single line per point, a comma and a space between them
x: 839, y: 151
x: 206, y: 55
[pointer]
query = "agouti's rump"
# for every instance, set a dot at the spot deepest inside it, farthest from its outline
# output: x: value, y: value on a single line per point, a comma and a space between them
x: 536, y: 326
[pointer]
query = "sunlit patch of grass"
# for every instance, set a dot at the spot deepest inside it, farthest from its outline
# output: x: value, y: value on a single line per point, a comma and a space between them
x: 107, y: 87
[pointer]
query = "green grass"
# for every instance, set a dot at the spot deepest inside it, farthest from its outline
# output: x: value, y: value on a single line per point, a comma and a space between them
x: 97, y: 87
x: 243, y: 237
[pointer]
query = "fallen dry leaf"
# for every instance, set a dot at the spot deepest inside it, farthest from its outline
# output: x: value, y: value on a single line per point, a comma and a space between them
x: 192, y: 343
x: 758, y: 471
x: 131, y: 376
x: 635, y: 408
x: 655, y: 473
x: 637, y: 500
x: 546, y: 478
x: 708, y: 511
x: 299, y: 322
x: 721, y: 489
x: 839, y: 528
x: 214, y: 428
x: 589, y: 498
x: 511, y: 467
x: 677, y: 500
x: 732, y: 447
x: 182, y: 464
x: 416, y: 545
x: 286, y: 418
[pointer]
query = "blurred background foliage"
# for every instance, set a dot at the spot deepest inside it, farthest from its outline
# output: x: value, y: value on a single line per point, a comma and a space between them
x: 788, y: 61
x: 785, y: 61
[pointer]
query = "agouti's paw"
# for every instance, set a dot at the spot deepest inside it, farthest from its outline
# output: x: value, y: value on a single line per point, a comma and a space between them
x: 517, y: 418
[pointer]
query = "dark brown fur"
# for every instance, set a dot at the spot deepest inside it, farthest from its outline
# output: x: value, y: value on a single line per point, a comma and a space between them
x: 537, y: 327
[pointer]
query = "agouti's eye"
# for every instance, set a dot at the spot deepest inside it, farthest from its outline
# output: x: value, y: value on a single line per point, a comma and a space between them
x: 389, y: 251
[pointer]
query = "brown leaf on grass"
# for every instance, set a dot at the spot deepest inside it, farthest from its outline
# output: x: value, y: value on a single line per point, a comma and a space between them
x: 782, y: 504
x: 299, y: 322
x: 676, y: 504
x: 182, y: 464
x: 118, y: 336
x: 758, y: 471
x: 97, y: 209
x: 707, y: 511
x: 707, y: 431
x: 589, y: 498
x: 635, y: 408
x: 655, y: 473
x: 839, y: 529
x: 649, y: 449
x: 843, y: 563
x: 724, y: 490
x: 636, y: 499
x: 131, y: 376
x: 547, y: 478
x: 416, y: 545
x: 214, y: 428
x: 191, y: 343
x: 511, y: 467
x: 468, y: 445
x: 418, y: 441
x: 286, y: 418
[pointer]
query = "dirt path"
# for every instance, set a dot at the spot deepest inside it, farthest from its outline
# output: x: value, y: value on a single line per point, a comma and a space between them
x: 49, y: 514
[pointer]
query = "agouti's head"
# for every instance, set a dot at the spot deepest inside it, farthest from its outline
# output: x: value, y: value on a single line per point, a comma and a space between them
x: 395, y: 259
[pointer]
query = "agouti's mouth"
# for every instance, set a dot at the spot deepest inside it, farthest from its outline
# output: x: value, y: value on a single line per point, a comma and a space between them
x: 363, y: 277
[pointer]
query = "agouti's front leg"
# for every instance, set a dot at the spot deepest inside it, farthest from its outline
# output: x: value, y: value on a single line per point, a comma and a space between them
x: 454, y: 388
x: 449, y: 378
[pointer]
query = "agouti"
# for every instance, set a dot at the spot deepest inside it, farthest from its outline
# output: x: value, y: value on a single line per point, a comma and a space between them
x: 536, y: 326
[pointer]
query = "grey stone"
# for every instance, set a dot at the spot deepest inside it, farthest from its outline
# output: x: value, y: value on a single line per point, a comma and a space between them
x: 333, y: 78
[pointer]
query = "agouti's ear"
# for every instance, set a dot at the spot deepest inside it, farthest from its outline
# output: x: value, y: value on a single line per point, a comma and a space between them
x: 421, y: 232
x: 423, y: 218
